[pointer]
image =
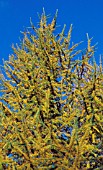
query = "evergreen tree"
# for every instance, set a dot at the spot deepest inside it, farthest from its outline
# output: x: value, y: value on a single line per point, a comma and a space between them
x: 51, y: 104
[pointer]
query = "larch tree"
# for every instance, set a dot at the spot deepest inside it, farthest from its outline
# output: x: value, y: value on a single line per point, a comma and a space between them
x: 51, y: 104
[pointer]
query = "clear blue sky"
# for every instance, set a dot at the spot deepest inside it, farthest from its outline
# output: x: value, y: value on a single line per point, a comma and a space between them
x: 85, y: 15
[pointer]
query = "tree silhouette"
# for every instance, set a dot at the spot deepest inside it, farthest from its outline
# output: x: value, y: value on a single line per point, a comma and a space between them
x: 51, y: 104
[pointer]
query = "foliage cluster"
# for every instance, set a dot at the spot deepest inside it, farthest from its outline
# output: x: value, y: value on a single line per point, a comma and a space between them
x: 51, y: 107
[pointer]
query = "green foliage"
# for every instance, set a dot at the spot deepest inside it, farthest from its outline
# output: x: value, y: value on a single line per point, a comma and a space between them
x: 51, y: 104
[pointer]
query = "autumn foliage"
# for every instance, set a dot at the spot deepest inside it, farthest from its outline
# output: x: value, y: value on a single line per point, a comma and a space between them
x: 51, y: 104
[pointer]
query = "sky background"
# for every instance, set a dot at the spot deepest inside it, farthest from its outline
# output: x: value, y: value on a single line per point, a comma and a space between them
x: 85, y: 15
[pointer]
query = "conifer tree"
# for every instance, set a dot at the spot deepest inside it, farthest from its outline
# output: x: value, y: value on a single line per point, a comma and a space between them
x: 51, y: 104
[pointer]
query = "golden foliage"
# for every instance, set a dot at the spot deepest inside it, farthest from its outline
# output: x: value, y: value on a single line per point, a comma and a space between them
x: 51, y: 104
